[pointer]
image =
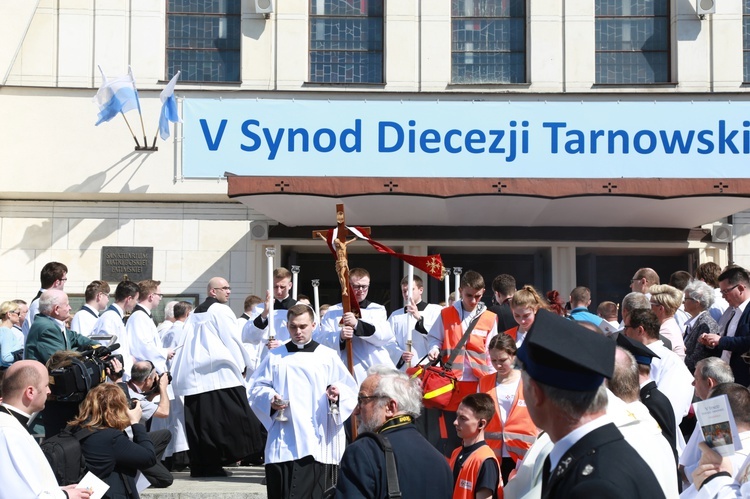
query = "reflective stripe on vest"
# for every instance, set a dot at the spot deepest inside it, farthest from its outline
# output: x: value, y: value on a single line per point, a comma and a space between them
x: 519, y: 431
x: 475, y: 350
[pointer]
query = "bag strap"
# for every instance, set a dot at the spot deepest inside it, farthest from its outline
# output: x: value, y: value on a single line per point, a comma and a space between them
x: 394, y: 491
x: 449, y: 365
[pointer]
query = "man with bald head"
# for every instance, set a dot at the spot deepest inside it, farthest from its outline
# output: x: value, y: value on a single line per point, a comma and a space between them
x: 48, y: 333
x: 25, y: 471
x: 209, y: 372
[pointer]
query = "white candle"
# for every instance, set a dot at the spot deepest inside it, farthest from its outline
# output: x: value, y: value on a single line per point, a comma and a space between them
x: 316, y: 297
x: 270, y: 252
x: 407, y: 300
x: 457, y: 273
x: 447, y: 283
x: 295, y: 272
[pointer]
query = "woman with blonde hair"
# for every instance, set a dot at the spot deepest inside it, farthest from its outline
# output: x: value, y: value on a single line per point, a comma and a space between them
x: 524, y: 304
x: 109, y: 453
x: 665, y: 300
x: 11, y: 348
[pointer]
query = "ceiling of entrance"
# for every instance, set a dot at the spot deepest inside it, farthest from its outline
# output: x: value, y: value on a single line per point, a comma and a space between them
x: 674, y: 203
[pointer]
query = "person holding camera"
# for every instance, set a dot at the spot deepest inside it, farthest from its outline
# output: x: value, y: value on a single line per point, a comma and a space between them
x: 109, y: 453
x: 144, y: 386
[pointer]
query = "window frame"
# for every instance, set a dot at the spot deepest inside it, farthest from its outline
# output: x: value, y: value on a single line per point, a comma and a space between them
x: 525, y: 52
x: 746, y: 42
x: 670, y: 73
x: 311, y: 16
x: 184, y: 74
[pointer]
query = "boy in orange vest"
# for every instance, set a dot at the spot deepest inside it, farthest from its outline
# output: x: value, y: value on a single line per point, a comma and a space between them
x: 476, y: 471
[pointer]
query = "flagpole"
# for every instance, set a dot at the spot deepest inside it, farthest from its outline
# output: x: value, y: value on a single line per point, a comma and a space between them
x: 137, y: 145
x: 140, y: 113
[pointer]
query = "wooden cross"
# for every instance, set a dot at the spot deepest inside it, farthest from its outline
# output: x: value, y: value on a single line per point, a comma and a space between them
x: 342, y: 269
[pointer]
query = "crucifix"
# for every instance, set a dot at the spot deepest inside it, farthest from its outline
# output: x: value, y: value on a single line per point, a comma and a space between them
x: 338, y: 245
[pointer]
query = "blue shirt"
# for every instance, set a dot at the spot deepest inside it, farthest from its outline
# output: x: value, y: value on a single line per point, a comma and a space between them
x: 582, y: 314
x: 8, y: 344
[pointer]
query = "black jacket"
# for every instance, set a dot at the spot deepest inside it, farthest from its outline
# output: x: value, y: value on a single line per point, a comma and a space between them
x: 111, y: 456
x: 660, y: 408
x: 602, y: 464
x: 422, y: 471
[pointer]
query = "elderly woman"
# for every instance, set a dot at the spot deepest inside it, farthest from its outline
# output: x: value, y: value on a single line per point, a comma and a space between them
x: 699, y: 297
x: 665, y: 300
x: 108, y: 451
x: 11, y: 347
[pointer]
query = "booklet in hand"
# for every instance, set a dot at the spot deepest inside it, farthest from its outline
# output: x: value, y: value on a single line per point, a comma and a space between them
x: 717, y: 425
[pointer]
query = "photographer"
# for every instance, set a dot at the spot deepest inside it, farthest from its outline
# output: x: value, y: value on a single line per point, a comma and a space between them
x: 144, y: 386
x: 62, y: 404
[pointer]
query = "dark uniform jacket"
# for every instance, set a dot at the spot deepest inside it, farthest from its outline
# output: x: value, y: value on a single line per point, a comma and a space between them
x: 602, y: 465
x: 422, y: 471
x: 739, y: 344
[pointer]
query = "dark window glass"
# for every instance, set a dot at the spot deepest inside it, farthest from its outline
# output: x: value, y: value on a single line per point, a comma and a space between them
x: 489, y: 41
x: 632, y: 41
x: 203, y: 40
x: 346, y: 41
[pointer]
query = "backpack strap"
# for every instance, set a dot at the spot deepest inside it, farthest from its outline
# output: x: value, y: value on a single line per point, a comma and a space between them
x: 391, y: 472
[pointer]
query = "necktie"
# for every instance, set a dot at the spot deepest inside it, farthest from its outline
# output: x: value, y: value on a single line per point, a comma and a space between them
x: 546, y: 473
x: 729, y: 321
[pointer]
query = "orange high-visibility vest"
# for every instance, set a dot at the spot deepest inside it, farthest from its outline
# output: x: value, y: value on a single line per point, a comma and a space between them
x: 519, y: 431
x: 475, y: 349
x: 469, y: 472
x: 512, y: 332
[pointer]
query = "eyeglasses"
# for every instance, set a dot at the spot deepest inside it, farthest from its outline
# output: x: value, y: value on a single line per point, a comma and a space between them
x: 627, y: 326
x: 225, y: 288
x: 361, y: 399
x: 63, y: 279
x: 634, y: 280
x: 361, y: 287
x: 728, y: 290
x: 17, y: 312
x: 654, y: 304
x: 159, y: 295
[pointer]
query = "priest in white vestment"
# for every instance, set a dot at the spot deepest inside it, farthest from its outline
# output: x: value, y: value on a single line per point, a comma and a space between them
x: 371, y: 334
x: 110, y: 322
x: 309, y: 384
x: 145, y: 342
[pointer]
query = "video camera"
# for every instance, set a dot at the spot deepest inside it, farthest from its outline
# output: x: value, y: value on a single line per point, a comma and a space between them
x: 72, y: 382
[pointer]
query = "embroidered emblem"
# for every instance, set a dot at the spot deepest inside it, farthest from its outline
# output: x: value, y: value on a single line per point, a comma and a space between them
x: 587, y: 470
x: 563, y: 465
x: 522, y: 403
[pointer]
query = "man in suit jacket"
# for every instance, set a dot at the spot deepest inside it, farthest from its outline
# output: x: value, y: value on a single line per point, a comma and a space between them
x: 48, y: 333
x: 503, y: 287
x: 734, y: 340
x: 563, y: 370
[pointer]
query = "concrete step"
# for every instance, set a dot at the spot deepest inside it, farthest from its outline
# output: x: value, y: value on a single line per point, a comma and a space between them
x: 245, y: 483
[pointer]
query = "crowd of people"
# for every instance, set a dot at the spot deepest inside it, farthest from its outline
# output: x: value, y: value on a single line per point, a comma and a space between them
x: 550, y: 399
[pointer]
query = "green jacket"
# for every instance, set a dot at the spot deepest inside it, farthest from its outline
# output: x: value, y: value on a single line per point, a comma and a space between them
x: 46, y: 338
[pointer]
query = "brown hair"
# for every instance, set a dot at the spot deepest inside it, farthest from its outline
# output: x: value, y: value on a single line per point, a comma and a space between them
x: 146, y: 287
x: 105, y: 406
x: 527, y: 296
x: 504, y: 343
x: 481, y: 404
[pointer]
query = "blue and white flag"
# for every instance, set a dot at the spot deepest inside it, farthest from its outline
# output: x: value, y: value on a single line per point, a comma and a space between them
x: 168, y: 108
x: 115, y: 96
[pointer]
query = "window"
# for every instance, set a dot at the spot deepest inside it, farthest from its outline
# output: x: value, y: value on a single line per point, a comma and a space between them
x: 746, y: 40
x: 346, y: 41
x: 632, y: 41
x: 203, y: 40
x: 489, y: 41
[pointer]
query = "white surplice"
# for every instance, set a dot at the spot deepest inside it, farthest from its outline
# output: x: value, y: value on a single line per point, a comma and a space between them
x: 109, y: 323
x: 25, y: 471
x: 212, y: 356
x: 145, y: 342
x: 84, y: 321
x: 400, y: 322
x: 302, y: 376
x: 367, y: 351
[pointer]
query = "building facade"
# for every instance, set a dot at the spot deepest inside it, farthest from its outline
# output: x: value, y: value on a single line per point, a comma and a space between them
x: 565, y: 142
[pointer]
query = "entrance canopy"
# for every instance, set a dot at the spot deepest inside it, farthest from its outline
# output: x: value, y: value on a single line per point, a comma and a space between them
x: 524, y: 202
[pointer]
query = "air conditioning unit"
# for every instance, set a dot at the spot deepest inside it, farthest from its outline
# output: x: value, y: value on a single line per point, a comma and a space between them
x: 721, y: 233
x: 703, y: 7
x: 261, y: 6
x: 259, y: 230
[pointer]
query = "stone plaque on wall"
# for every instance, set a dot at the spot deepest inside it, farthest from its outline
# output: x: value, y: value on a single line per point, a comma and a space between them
x: 135, y: 262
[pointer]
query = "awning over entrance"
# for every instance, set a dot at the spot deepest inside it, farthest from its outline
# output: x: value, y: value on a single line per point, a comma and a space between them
x: 524, y: 202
